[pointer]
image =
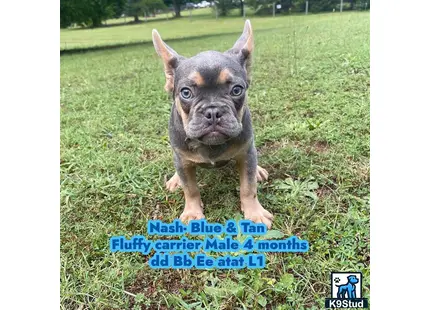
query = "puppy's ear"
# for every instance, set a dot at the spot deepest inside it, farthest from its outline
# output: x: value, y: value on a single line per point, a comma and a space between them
x: 244, y: 46
x: 170, y: 59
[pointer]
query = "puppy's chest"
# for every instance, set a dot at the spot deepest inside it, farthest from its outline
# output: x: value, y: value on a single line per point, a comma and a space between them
x: 211, y: 156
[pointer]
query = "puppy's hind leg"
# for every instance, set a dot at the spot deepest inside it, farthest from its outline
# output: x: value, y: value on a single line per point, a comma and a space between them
x: 174, y: 183
x: 262, y: 174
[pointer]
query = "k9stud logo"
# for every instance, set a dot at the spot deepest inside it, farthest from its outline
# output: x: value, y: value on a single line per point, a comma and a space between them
x: 346, y: 291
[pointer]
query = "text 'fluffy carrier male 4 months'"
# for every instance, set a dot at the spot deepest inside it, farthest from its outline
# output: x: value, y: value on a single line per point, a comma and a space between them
x: 210, y: 122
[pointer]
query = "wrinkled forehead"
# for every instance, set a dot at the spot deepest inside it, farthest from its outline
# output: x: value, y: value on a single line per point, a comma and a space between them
x: 209, y: 69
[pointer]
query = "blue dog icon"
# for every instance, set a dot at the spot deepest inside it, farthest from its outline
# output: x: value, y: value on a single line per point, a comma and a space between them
x: 347, y: 288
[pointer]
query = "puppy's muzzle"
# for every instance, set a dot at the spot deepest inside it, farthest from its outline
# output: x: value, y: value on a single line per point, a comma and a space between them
x: 213, y: 115
x: 214, y: 133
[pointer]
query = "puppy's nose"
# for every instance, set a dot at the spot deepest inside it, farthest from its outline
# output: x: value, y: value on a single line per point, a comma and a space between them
x: 213, y: 114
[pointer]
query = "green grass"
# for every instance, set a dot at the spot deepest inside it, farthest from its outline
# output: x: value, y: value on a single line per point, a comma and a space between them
x: 202, y: 22
x: 198, y: 26
x: 166, y: 14
x: 310, y: 107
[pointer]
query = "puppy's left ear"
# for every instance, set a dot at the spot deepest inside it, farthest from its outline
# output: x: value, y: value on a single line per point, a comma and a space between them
x: 244, y: 47
x: 170, y: 59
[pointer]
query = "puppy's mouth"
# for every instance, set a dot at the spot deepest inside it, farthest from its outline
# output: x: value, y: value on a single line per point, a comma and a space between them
x: 214, y: 137
x: 214, y: 134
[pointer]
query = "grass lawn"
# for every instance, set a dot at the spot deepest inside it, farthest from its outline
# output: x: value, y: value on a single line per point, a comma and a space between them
x: 166, y: 14
x: 310, y: 107
x: 200, y: 26
x: 202, y: 22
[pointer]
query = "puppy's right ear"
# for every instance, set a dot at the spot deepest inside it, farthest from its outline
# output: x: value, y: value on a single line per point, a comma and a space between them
x: 170, y: 59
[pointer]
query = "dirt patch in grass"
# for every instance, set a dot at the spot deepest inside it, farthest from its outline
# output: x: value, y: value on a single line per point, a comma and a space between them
x: 320, y: 146
x: 271, y: 146
x: 323, y: 192
x: 156, y: 212
x: 360, y: 171
x: 148, y: 155
x: 148, y: 284
x: 363, y: 171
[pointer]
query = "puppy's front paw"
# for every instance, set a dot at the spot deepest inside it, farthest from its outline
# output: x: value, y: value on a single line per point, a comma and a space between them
x: 253, y: 211
x: 189, y: 215
x: 262, y: 174
x: 174, y: 183
x: 192, y: 213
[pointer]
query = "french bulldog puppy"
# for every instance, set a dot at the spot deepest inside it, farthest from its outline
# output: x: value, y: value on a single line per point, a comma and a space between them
x: 210, y: 122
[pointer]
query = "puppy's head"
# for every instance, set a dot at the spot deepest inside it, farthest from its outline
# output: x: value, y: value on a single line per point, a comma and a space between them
x: 209, y: 89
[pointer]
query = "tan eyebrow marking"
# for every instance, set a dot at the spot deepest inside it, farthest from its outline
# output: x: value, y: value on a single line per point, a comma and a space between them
x: 224, y: 76
x: 197, y: 78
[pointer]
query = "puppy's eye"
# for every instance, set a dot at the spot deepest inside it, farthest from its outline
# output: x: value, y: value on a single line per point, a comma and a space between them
x: 186, y: 93
x: 237, y: 90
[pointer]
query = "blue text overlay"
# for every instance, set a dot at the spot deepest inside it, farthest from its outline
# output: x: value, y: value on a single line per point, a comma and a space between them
x: 217, y: 239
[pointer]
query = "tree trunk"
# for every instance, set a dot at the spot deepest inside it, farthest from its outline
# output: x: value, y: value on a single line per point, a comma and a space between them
x: 136, y: 18
x: 241, y: 7
x: 177, y: 7
x: 96, y: 22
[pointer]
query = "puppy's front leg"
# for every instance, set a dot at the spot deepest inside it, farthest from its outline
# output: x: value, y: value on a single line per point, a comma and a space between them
x: 186, y: 171
x: 251, y: 207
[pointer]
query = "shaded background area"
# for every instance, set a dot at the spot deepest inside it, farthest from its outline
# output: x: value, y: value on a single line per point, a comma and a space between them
x: 93, y: 13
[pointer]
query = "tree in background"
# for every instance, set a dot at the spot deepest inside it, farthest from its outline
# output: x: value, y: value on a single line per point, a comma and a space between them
x: 265, y: 7
x: 298, y: 5
x: 223, y: 6
x: 322, y: 5
x: 86, y: 12
x: 138, y: 8
x: 261, y: 7
x: 66, y: 14
x: 91, y: 13
x: 242, y: 7
x: 176, y: 4
x: 119, y: 8
x: 360, y: 4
